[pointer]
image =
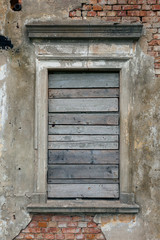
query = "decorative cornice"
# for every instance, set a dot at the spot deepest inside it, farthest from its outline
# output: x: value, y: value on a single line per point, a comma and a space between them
x: 83, y: 31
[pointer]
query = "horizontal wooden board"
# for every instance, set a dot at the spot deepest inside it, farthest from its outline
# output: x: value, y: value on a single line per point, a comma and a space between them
x: 83, y: 93
x: 83, y: 138
x: 83, y: 80
x: 82, y: 171
x: 82, y: 145
x: 83, y: 156
x: 86, y: 181
x: 83, y: 105
x: 83, y: 190
x: 84, y: 119
x: 79, y: 129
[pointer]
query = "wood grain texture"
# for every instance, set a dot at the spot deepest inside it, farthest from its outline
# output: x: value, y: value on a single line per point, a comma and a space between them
x: 84, y: 105
x: 82, y: 171
x: 83, y: 190
x: 83, y: 80
x: 83, y: 130
x: 83, y: 138
x: 84, y: 119
x: 84, y: 181
x: 83, y: 156
x: 83, y: 145
x: 83, y: 93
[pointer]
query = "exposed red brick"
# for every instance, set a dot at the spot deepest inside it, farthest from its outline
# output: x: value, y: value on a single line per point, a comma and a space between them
x: 80, y: 236
x: 107, y: 8
x: 72, y: 224
x: 91, y: 230
x: 60, y: 236
x: 151, y: 1
x: 102, y: 1
x: 29, y: 236
x: 122, y: 1
x: 61, y: 218
x: 131, y: 7
x: 117, y: 7
x: 155, y: 7
x: 49, y: 236
x: 112, y: 2
x: 71, y: 230
x: 91, y: 14
x: 87, y: 7
x: 91, y: 224
x: 100, y: 236
x: 42, y: 224
x: 101, y: 14
x: 111, y: 13
x: 146, y: 7
x: 62, y: 224
x: 90, y: 236
x: 69, y: 236
x: 156, y: 36
x: 97, y: 8
x: 154, y: 43
x: 92, y: 1
x: 121, y: 13
x: 133, y: 13
x: 132, y: 1
x: 72, y: 14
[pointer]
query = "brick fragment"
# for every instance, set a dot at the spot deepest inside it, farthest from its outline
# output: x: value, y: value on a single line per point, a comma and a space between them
x: 86, y: 7
x: 49, y: 236
x: 102, y: 1
x: 155, y: 7
x: 60, y: 236
x: 92, y: 1
x: 131, y: 7
x: 122, y: 1
x: 42, y: 224
x: 151, y: 1
x: 69, y: 236
x: 111, y: 13
x: 92, y: 224
x: 132, y: 1
x: 80, y: 236
x: 71, y: 230
x: 107, y: 7
x: 61, y: 218
x: 112, y: 2
x: 62, y: 224
x: 117, y: 7
x: 72, y: 224
x: 133, y: 13
x: 101, y: 14
x: 121, y: 13
x: 91, y: 14
x: 97, y: 8
x: 91, y: 230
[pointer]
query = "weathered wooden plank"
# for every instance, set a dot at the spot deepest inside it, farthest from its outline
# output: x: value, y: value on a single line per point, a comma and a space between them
x: 83, y: 105
x: 82, y: 145
x: 83, y: 93
x: 79, y: 129
x: 81, y: 181
x: 83, y: 157
x: 83, y: 138
x: 83, y: 80
x: 82, y: 171
x: 84, y: 119
x: 83, y: 190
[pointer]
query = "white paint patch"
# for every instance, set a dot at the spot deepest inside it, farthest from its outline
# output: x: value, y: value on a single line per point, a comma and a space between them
x: 3, y: 106
x: 3, y: 70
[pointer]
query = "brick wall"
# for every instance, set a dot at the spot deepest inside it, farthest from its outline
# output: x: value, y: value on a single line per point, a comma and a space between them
x: 146, y: 12
x: 59, y: 227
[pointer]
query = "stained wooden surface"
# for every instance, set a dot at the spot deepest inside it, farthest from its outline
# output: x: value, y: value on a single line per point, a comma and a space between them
x: 84, y: 119
x: 83, y: 156
x: 83, y: 190
x: 84, y: 105
x: 82, y: 171
x: 83, y: 93
x: 78, y: 129
x: 83, y: 140
x: 83, y: 80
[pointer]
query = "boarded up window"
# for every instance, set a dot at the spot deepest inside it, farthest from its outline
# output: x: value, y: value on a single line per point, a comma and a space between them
x: 83, y: 135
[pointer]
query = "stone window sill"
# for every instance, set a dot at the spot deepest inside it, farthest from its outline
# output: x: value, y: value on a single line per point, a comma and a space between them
x: 83, y: 206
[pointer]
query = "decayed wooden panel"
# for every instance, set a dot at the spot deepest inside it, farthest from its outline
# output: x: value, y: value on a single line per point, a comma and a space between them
x: 79, y: 129
x: 84, y: 181
x: 83, y: 80
x: 83, y: 138
x: 82, y: 171
x: 83, y: 93
x: 84, y: 145
x: 83, y: 156
x: 83, y: 190
x: 84, y: 119
x: 84, y: 105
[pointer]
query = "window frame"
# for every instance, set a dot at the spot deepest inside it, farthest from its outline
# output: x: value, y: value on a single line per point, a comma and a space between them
x: 43, y: 65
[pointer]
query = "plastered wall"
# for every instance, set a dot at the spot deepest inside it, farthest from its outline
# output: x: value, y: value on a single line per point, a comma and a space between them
x: 17, y: 94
